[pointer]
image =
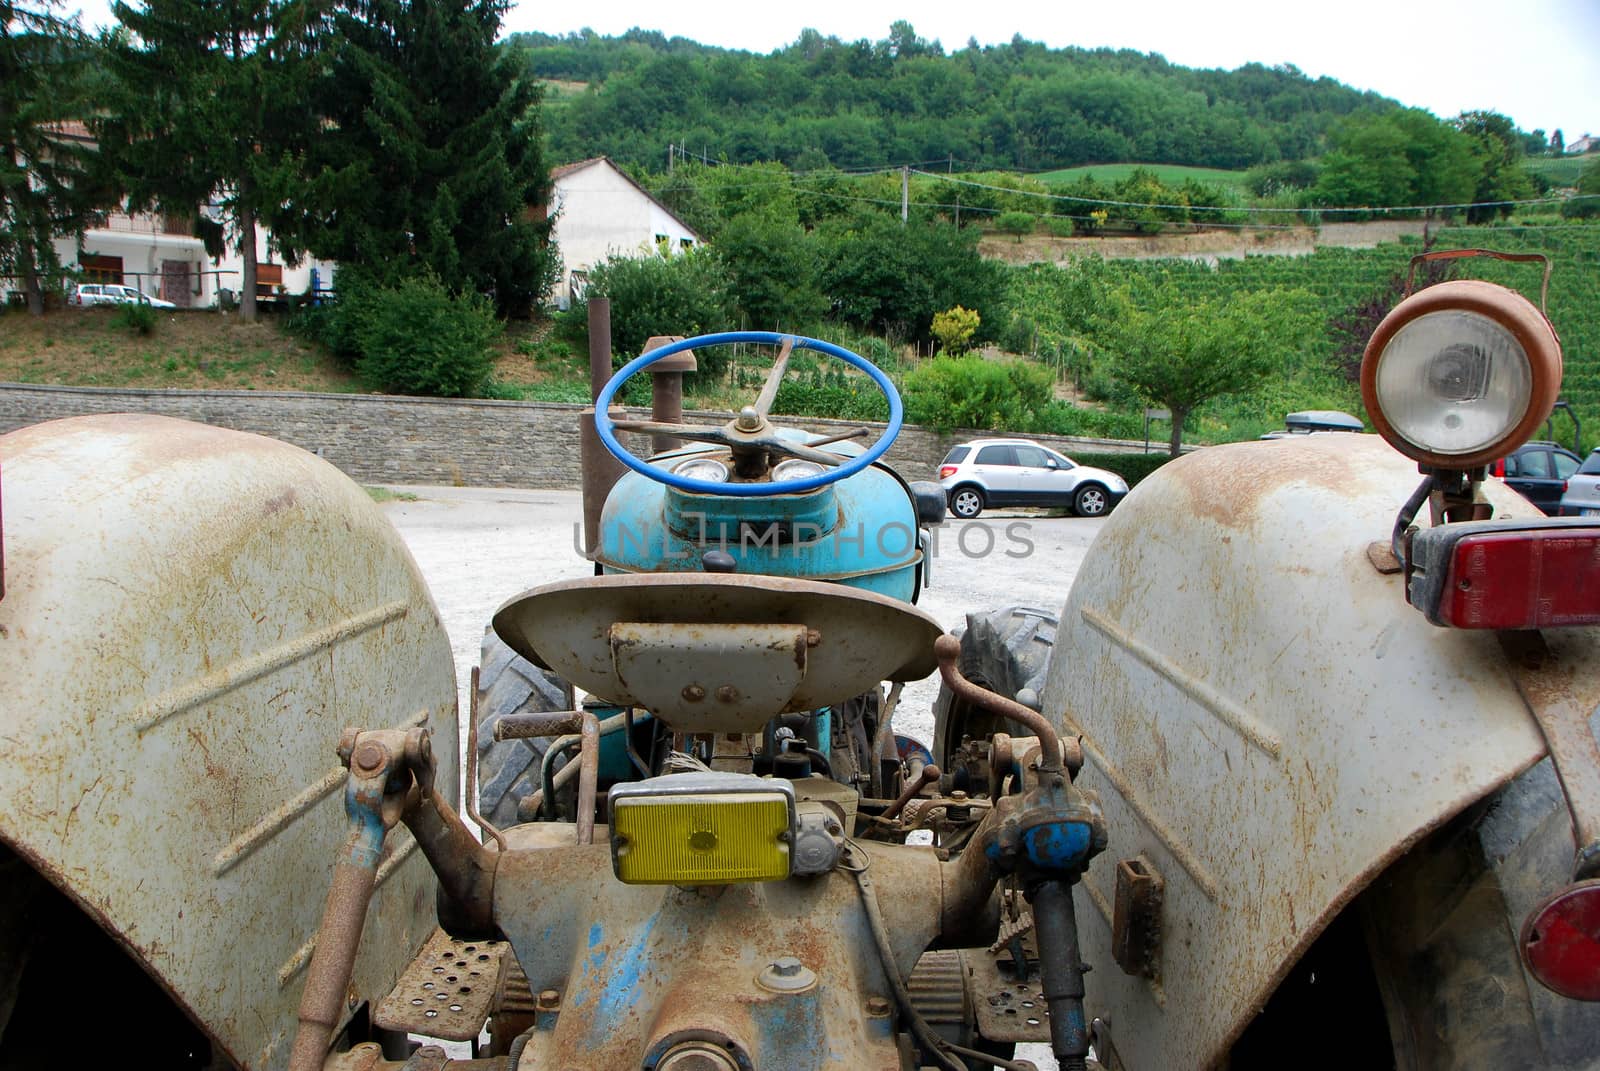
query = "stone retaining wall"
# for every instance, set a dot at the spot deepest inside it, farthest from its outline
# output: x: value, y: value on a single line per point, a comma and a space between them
x: 378, y: 438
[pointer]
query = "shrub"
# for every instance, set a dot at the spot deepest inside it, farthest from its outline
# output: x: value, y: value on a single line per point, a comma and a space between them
x: 1131, y: 467
x: 1060, y: 226
x: 139, y: 319
x: 685, y: 294
x: 954, y: 328
x: 969, y: 392
x: 418, y: 338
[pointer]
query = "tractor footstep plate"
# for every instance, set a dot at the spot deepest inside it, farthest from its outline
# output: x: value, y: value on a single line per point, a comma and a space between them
x: 447, y: 990
x: 1007, y: 1008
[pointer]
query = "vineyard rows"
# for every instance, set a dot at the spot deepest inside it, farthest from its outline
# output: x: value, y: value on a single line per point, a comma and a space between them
x: 1342, y: 278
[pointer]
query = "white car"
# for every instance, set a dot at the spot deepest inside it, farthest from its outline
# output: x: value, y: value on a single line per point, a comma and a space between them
x: 1582, y: 497
x: 1018, y: 472
x: 115, y: 294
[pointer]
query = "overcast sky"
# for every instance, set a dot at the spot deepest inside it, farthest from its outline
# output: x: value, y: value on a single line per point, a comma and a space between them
x: 1537, y: 61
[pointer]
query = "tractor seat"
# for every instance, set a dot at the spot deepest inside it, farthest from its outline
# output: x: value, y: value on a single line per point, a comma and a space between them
x: 716, y: 652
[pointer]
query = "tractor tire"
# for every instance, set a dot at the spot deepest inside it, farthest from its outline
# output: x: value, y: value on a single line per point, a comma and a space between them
x: 1006, y: 651
x: 508, y: 770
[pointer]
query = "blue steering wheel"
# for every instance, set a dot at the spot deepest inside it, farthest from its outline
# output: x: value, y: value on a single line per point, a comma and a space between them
x: 750, y: 431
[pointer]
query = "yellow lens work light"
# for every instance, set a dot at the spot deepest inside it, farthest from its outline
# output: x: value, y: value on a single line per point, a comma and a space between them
x: 702, y: 829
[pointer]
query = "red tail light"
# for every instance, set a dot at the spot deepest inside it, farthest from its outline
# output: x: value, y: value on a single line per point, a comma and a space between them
x: 946, y: 471
x: 1561, y: 941
x: 1498, y: 468
x: 1507, y: 574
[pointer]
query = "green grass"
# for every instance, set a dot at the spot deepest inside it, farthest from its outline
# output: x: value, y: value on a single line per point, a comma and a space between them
x: 383, y: 494
x: 1170, y: 174
x: 1560, y: 170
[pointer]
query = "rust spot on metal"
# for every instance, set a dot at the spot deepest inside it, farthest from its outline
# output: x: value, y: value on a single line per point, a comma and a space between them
x: 1253, y: 471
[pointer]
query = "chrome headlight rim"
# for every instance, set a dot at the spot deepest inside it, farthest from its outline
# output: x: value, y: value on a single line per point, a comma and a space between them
x: 1506, y: 310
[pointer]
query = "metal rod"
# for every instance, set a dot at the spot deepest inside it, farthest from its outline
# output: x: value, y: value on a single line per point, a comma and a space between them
x: 542, y: 723
x: 633, y: 755
x: 929, y: 774
x: 588, y: 776
x: 471, y: 800
x: 948, y: 650
x: 1061, y: 973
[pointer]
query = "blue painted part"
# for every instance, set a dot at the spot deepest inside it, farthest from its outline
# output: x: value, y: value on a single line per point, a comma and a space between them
x: 614, y: 762
x: 861, y: 532
x: 786, y: 1030
x: 913, y: 749
x: 1057, y: 846
x: 365, y: 847
x: 603, y: 426
x: 618, y: 978
x: 824, y: 739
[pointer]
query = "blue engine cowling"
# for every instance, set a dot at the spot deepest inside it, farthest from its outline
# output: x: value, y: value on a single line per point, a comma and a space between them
x: 861, y: 531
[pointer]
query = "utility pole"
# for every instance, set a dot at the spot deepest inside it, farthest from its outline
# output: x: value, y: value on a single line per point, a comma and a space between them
x: 905, y: 193
x: 669, y: 157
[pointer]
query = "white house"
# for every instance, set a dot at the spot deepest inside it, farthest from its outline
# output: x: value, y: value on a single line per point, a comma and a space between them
x: 162, y: 256
x: 600, y: 212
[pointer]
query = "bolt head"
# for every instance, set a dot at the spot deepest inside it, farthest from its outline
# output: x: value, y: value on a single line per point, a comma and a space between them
x: 694, y: 693
x: 369, y: 757
x: 727, y: 694
x: 549, y: 999
x: 877, y: 1006
x: 749, y: 419
x: 786, y: 966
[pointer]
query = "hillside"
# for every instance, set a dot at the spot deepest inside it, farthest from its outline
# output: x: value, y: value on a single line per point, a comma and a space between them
x: 850, y: 104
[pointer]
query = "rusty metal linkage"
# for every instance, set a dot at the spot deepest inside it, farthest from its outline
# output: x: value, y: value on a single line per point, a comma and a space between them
x: 373, y: 758
x: 948, y: 650
x: 1549, y: 689
x: 488, y: 829
x: 928, y: 775
x: 558, y: 723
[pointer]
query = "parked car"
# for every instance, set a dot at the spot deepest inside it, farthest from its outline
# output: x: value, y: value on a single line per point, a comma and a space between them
x: 1017, y: 472
x: 1310, y: 420
x: 115, y: 294
x: 1583, y: 489
x: 1539, y: 471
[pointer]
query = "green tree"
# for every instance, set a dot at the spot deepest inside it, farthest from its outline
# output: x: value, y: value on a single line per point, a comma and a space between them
x: 771, y: 268
x: 890, y: 278
x: 429, y: 158
x: 1586, y: 202
x: 1399, y: 158
x: 208, y: 110
x: 1501, y: 179
x: 46, y: 189
x: 1178, y: 352
x: 1017, y: 224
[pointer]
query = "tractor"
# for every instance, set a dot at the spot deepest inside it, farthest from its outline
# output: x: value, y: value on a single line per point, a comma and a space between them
x: 1305, y: 771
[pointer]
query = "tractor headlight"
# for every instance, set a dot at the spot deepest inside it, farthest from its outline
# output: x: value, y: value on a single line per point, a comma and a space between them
x: 701, y: 829
x: 1461, y: 373
x: 795, y: 469
x: 702, y: 468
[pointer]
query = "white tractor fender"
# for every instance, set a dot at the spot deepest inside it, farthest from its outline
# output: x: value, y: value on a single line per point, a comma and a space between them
x: 1266, y: 720
x: 191, y: 617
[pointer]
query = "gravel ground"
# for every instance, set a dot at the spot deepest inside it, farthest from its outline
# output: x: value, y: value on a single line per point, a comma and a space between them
x: 479, y: 547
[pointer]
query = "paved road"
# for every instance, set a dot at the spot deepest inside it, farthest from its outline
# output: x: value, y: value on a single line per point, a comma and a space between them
x: 479, y: 547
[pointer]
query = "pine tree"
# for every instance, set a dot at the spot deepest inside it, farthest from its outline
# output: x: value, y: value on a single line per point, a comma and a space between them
x: 209, y: 113
x: 429, y: 158
x: 46, y: 191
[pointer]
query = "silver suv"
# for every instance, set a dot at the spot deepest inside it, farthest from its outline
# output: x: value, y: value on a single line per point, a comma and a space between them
x: 1017, y: 472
